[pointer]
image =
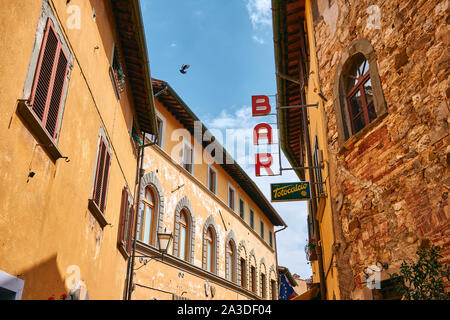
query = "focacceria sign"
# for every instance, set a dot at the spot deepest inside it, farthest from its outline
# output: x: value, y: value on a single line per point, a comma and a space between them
x: 295, y: 191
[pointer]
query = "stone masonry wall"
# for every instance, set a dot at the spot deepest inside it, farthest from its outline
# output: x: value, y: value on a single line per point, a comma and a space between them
x: 391, y: 185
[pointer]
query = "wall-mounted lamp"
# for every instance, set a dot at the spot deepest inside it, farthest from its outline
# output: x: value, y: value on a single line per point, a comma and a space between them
x: 164, y: 239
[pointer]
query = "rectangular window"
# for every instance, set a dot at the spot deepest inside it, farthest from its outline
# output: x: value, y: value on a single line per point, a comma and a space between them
x: 160, y: 127
x: 101, y: 176
x: 243, y: 276
x: 126, y: 222
x: 241, y: 208
x: 263, y: 286
x: 212, y: 180
x: 49, y: 82
x: 317, y: 171
x: 188, y: 158
x: 252, y: 219
x: 270, y: 239
x: 273, y: 284
x: 231, y: 197
x: 253, y: 279
x: 262, y: 229
x: 116, y: 73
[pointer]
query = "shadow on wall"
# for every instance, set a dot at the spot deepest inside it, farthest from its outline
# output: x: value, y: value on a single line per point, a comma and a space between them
x: 43, y: 281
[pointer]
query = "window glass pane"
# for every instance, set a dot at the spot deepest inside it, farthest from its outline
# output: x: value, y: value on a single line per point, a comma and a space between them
x: 358, y: 123
x: 368, y: 91
x: 182, y: 242
x: 241, y: 208
x: 356, y: 104
x: 230, y: 266
x: 208, y: 256
x: 371, y: 111
x: 147, y: 224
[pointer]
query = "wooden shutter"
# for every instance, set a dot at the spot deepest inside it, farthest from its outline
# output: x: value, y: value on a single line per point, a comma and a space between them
x: 123, y: 217
x: 50, y: 78
x: 130, y: 229
x: 102, y: 175
x: 126, y: 223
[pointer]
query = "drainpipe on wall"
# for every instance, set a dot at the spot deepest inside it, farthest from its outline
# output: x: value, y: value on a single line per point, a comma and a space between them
x: 276, y: 256
x: 140, y: 172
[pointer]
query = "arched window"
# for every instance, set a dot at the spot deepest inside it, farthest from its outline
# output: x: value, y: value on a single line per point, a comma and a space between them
x: 184, y: 234
x: 184, y: 231
x: 210, y: 244
x: 230, y: 261
x: 148, y: 225
x: 359, y: 94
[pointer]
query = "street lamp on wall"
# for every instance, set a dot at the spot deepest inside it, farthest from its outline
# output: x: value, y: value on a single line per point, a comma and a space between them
x: 164, y: 239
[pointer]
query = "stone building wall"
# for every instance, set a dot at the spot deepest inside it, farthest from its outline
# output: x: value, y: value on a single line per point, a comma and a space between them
x: 389, y: 184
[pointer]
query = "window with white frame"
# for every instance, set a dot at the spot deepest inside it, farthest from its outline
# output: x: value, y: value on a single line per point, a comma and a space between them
x: 231, y: 197
x: 187, y: 159
x: 212, y: 179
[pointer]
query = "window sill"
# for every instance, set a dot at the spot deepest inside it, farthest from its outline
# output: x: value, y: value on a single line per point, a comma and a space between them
x: 349, y: 144
x: 123, y: 251
x: 98, y: 215
x: 39, y: 132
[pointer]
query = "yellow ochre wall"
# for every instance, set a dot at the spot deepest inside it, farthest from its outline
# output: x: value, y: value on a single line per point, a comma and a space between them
x: 204, y: 203
x: 47, y: 232
x: 317, y: 127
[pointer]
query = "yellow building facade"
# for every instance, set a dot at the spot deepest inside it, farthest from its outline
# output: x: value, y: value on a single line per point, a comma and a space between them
x: 298, y: 84
x: 76, y: 92
x: 216, y: 197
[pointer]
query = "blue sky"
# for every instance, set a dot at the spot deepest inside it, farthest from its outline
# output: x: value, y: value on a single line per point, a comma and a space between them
x: 229, y: 47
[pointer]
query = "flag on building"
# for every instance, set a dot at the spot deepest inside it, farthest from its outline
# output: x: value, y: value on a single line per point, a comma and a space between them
x: 286, y: 290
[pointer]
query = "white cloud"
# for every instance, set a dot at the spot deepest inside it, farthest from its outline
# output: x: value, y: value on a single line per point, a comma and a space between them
x: 260, y: 12
x: 259, y: 40
x: 173, y: 44
x: 291, y: 241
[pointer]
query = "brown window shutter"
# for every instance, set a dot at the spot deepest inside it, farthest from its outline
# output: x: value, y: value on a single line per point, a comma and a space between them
x: 99, y: 174
x: 50, y: 78
x: 57, y: 94
x: 130, y: 229
x: 105, y: 180
x: 122, y: 221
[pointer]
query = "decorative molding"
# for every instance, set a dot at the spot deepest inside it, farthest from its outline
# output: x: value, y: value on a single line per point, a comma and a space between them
x: 150, y: 179
x: 231, y: 237
x: 364, y: 47
x: 184, y: 204
x: 211, y: 223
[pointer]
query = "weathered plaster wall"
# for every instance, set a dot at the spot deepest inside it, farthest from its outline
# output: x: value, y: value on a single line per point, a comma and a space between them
x: 48, y: 235
x: 176, y: 184
x: 391, y: 184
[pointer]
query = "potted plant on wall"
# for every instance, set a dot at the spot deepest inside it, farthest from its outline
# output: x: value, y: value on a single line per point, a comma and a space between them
x: 311, y: 246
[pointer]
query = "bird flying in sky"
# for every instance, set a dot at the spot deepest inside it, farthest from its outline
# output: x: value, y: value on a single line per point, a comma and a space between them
x: 184, y: 67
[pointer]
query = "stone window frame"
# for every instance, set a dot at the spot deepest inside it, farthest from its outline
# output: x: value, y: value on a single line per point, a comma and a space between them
x: 270, y: 278
x: 262, y: 270
x: 151, y: 180
x: 210, y: 222
x: 231, y: 237
x: 250, y: 256
x: 364, y: 47
x: 242, y: 251
x: 184, y: 204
